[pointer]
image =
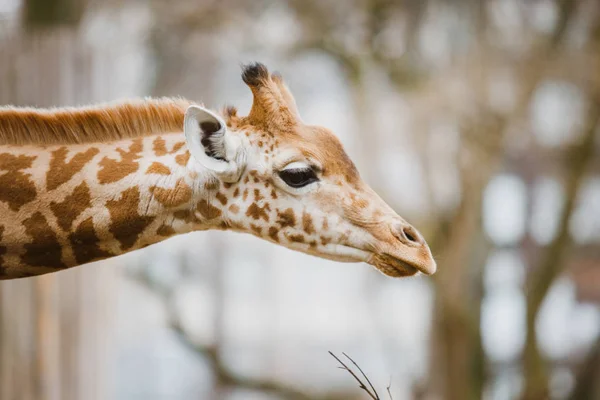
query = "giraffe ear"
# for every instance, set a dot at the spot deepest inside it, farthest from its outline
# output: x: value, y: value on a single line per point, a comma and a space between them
x: 211, y: 145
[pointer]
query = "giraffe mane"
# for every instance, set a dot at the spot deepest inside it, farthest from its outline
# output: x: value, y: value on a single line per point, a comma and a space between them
x: 98, y: 123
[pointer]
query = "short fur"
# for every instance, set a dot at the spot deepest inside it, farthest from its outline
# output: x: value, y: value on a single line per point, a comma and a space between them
x: 100, y: 123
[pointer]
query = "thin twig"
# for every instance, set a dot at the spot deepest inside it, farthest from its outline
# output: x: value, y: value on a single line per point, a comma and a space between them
x: 388, y: 388
x: 362, y: 372
x: 360, y: 383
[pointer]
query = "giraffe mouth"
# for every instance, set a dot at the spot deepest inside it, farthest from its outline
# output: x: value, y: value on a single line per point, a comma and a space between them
x: 392, y: 266
x: 388, y: 265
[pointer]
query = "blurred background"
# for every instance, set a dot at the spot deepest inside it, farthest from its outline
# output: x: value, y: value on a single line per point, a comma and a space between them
x: 477, y: 120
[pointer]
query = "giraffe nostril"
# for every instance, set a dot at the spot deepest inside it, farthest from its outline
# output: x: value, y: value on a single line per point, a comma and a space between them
x: 407, y: 234
x: 413, y: 236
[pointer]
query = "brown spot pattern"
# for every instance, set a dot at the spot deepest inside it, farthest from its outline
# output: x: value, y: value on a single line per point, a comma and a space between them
x: 113, y: 171
x: 286, y: 218
x: 2, y: 253
x: 74, y: 204
x: 60, y: 171
x: 44, y: 249
x: 234, y: 208
x: 212, y: 184
x: 256, y: 229
x: 256, y: 212
x: 182, y: 159
x: 296, y: 238
x: 307, y: 224
x: 160, y: 148
x: 84, y: 243
x: 165, y: 230
x: 207, y: 210
x: 185, y: 215
x: 16, y: 187
x: 158, y: 168
x: 222, y: 198
x: 180, y: 194
x: 126, y: 223
x: 273, y: 231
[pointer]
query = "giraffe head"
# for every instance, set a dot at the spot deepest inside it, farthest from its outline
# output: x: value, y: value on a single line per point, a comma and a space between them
x: 293, y: 184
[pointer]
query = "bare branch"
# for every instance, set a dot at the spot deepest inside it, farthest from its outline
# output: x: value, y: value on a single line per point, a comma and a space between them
x: 360, y: 383
x: 363, y: 374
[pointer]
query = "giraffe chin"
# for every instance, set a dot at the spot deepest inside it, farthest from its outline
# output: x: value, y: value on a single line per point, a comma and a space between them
x: 393, y: 267
x: 386, y: 264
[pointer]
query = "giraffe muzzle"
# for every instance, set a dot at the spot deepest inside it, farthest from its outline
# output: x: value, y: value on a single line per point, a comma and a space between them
x: 405, y: 254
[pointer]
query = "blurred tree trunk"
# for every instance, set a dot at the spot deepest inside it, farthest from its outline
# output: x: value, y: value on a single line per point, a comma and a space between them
x: 588, y: 379
x: 553, y: 259
x: 54, y: 328
x: 52, y: 13
x: 458, y: 363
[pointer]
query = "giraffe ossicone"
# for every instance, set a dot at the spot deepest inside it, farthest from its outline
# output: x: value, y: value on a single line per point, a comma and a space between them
x: 84, y: 184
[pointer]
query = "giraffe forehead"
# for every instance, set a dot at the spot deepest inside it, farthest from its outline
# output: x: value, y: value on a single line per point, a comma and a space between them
x: 306, y: 142
x: 322, y: 145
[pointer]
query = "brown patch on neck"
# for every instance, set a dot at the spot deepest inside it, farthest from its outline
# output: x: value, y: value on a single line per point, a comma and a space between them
x: 222, y: 198
x: 160, y: 147
x: 60, y: 171
x: 44, y: 249
x: 74, y: 204
x: 158, y: 168
x: 84, y: 243
x: 207, y: 210
x: 3, y: 251
x: 182, y: 159
x: 186, y: 215
x: 212, y: 184
x: 126, y: 222
x: 180, y: 194
x: 16, y: 187
x: 165, y: 230
x: 113, y: 170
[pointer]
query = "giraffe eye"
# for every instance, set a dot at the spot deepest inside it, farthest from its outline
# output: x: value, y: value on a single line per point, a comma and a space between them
x: 298, y: 177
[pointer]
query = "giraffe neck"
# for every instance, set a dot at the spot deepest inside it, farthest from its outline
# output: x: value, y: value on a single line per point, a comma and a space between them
x: 63, y: 206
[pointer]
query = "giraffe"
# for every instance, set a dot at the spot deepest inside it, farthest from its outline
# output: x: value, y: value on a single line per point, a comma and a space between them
x: 84, y: 184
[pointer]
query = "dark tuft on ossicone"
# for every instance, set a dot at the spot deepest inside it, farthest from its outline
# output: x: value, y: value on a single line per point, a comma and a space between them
x: 230, y: 111
x: 254, y: 74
